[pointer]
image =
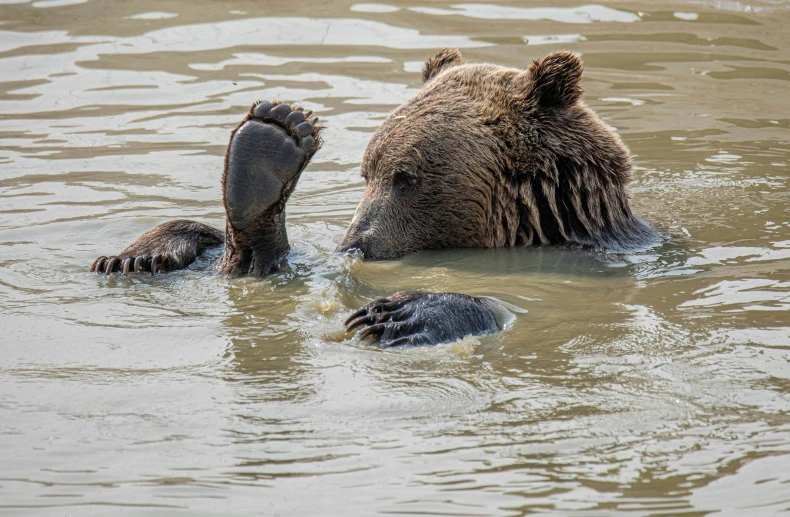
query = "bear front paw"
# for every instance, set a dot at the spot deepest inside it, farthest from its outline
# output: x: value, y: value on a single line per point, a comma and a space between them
x: 267, y: 153
x: 391, y: 322
x: 161, y: 263
x: 420, y: 319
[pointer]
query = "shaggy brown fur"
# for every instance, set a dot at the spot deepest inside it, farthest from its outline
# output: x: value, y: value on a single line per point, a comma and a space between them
x: 488, y: 156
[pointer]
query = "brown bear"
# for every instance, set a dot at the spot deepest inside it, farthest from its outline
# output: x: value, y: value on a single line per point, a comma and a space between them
x: 483, y: 156
x: 487, y: 156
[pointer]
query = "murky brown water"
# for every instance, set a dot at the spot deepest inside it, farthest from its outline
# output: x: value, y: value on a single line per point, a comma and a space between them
x: 657, y: 383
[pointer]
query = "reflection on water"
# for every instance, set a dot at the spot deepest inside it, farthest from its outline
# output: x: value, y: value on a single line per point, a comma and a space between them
x: 650, y: 383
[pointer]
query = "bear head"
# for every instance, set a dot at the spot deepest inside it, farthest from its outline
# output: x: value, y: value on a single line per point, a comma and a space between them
x: 488, y: 156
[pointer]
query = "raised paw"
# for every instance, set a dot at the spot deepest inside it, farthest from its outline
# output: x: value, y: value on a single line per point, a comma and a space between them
x: 126, y: 265
x: 265, y: 157
x: 419, y: 319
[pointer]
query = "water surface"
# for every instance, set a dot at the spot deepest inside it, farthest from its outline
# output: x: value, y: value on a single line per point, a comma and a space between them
x: 644, y: 384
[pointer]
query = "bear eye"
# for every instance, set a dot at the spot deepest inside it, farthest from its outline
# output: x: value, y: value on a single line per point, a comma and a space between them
x: 403, y: 181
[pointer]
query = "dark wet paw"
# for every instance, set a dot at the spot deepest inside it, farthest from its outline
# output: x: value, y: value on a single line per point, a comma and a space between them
x: 126, y: 265
x: 266, y: 155
x: 420, y: 319
x: 389, y: 321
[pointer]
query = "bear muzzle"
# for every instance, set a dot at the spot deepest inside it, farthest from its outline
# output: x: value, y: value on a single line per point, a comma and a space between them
x: 368, y: 240
x: 378, y: 230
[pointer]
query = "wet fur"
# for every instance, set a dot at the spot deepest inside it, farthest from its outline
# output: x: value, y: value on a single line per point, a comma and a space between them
x: 494, y: 156
x: 483, y: 156
x: 170, y: 246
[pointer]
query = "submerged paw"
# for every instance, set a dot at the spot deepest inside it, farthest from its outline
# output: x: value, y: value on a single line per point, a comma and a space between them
x: 393, y: 322
x: 383, y: 320
x: 266, y: 155
x: 419, y: 319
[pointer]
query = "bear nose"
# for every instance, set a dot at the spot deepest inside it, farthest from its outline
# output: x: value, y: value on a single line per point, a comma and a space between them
x: 356, y: 235
x: 352, y: 244
x: 354, y: 251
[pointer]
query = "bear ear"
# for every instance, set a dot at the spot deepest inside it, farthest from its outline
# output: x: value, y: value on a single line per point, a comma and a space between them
x: 446, y: 58
x: 556, y: 78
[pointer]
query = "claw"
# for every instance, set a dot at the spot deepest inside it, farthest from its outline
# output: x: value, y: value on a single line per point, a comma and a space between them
x: 96, y: 263
x: 361, y: 312
x: 363, y: 320
x: 110, y: 267
x: 155, y: 263
x: 397, y: 316
x: 139, y: 264
x: 396, y: 342
x: 374, y: 330
x: 390, y: 306
x: 127, y: 263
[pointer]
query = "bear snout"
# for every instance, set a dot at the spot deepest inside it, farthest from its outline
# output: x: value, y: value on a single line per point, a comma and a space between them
x: 369, y: 241
x: 354, y: 238
x: 352, y: 243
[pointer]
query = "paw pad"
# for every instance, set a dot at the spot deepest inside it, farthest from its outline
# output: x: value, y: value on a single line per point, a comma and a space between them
x: 298, y: 124
x: 266, y: 155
